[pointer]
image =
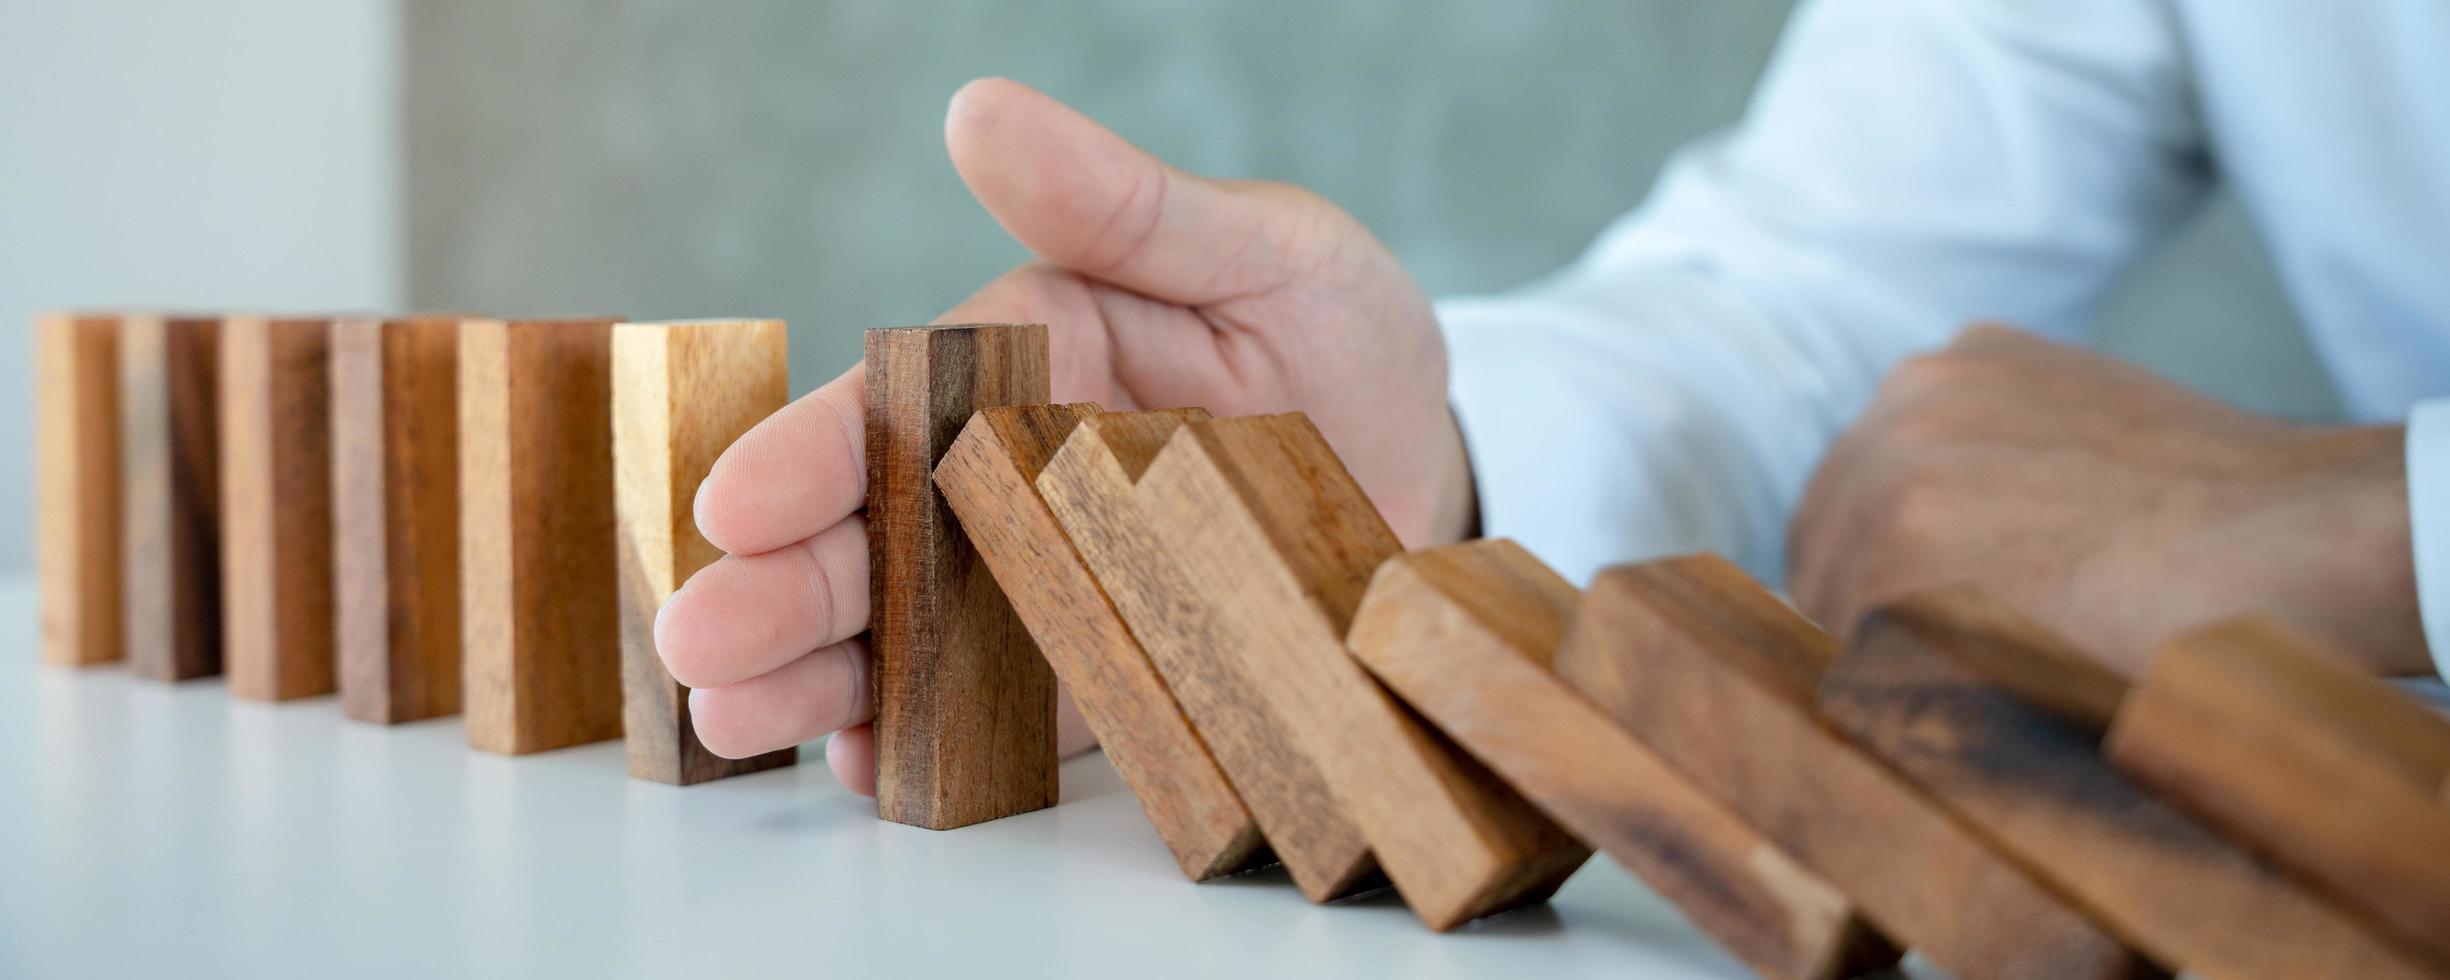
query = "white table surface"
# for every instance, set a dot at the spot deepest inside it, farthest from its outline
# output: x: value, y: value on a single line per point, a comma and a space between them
x: 168, y: 830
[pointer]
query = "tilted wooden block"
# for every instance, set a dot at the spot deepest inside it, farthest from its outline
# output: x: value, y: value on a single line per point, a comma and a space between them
x: 541, y: 635
x: 1283, y: 541
x: 276, y: 506
x: 77, y: 508
x: 989, y: 478
x: 1088, y: 488
x: 965, y: 705
x: 169, y: 369
x: 1717, y: 676
x: 682, y: 393
x: 2038, y: 786
x: 395, y: 517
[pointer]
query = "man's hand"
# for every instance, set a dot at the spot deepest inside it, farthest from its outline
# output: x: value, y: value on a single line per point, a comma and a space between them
x: 1160, y: 290
x: 2115, y: 506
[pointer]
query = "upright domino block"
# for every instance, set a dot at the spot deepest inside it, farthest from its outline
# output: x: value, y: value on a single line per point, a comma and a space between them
x: 682, y: 393
x: 78, y: 516
x: 169, y: 371
x: 540, y: 591
x: 965, y: 705
x: 395, y: 517
x: 276, y: 507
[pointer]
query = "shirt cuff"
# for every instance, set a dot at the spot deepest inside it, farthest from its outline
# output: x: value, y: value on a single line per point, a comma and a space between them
x: 2428, y: 502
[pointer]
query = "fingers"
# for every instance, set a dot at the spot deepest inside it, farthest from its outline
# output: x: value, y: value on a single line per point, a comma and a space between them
x: 820, y: 693
x: 745, y: 615
x: 800, y: 471
x: 851, y: 754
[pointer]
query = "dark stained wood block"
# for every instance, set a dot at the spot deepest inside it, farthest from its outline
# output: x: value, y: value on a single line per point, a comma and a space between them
x: 276, y: 507
x: 169, y: 371
x: 77, y: 494
x: 395, y: 517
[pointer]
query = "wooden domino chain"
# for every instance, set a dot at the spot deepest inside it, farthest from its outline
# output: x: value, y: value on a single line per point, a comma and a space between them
x: 78, y: 515
x: 395, y: 517
x: 170, y: 564
x: 276, y: 507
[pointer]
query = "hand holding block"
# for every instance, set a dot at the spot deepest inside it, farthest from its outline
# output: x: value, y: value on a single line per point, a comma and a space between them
x: 169, y: 369
x: 2038, y: 786
x: 1262, y: 513
x: 989, y: 478
x: 1088, y: 489
x: 1466, y: 634
x: 395, y: 517
x: 276, y: 507
x: 1717, y: 676
x: 77, y: 524
x: 682, y: 393
x: 539, y: 592
x: 965, y: 706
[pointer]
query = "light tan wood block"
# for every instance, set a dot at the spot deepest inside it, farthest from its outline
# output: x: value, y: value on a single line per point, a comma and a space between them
x: 395, y: 517
x: 78, y: 543
x: 276, y: 507
x: 169, y: 371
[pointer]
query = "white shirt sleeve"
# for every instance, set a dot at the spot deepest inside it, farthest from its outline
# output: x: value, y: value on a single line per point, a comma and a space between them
x: 1907, y: 166
x: 2428, y: 501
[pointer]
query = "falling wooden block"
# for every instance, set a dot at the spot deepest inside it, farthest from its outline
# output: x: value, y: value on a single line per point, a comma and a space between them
x: 77, y: 508
x: 276, y: 507
x: 395, y: 517
x: 682, y: 393
x: 1088, y: 488
x: 1264, y: 516
x: 2187, y: 897
x: 1467, y: 634
x: 1717, y: 676
x: 541, y: 635
x: 169, y: 368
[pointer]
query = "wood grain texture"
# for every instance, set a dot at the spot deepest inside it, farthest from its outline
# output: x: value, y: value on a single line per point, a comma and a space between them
x: 1467, y: 635
x: 2023, y: 658
x: 276, y: 507
x: 965, y: 705
x: 683, y: 392
x: 77, y: 506
x: 395, y: 517
x: 2187, y: 897
x: 2309, y: 760
x: 1088, y: 488
x: 1264, y: 516
x: 1717, y: 676
x: 989, y: 477
x: 540, y: 597
x: 169, y: 371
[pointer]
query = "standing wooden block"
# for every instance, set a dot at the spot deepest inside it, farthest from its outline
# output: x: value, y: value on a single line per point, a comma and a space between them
x: 682, y: 393
x: 276, y: 506
x: 1717, y: 676
x: 965, y: 705
x: 1262, y: 513
x: 2187, y: 897
x: 539, y: 591
x: 1467, y: 634
x: 169, y: 369
x: 77, y: 508
x: 395, y: 517
x: 1088, y: 488
x: 989, y: 477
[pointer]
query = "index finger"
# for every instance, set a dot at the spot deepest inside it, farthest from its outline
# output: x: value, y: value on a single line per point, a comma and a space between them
x: 802, y: 470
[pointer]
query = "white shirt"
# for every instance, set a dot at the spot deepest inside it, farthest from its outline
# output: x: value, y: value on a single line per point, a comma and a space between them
x: 1909, y: 166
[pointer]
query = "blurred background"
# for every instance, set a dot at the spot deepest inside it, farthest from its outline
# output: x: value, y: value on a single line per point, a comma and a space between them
x: 666, y: 158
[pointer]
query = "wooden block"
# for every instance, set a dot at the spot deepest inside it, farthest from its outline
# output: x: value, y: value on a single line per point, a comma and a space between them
x: 1717, y: 676
x: 2307, y: 759
x: 1467, y: 634
x: 2039, y: 787
x: 539, y: 608
x: 169, y: 370
x: 1088, y: 488
x: 965, y: 705
x: 682, y: 393
x: 1261, y: 512
x: 276, y: 506
x: 395, y: 516
x: 77, y: 508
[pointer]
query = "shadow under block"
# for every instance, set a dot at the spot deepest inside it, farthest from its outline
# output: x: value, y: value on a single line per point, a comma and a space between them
x: 2309, y: 760
x: 1263, y: 514
x: 2187, y: 897
x: 1717, y: 676
x: 169, y: 370
x: 541, y: 653
x: 276, y: 507
x: 1466, y: 635
x: 989, y: 477
x: 77, y: 522
x: 1088, y: 489
x: 965, y: 705
x: 682, y: 393
x: 395, y: 517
